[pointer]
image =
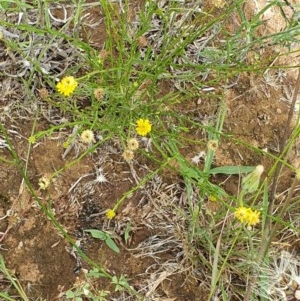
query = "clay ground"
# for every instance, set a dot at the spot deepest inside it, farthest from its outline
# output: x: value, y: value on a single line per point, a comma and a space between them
x: 40, y: 257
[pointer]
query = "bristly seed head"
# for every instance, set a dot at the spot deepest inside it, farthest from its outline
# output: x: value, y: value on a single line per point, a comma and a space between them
x: 212, y: 145
x: 142, y: 42
x: 87, y: 136
x: 44, y: 183
x: 43, y: 93
x: 219, y: 3
x: 99, y: 94
x: 133, y: 144
x: 128, y: 155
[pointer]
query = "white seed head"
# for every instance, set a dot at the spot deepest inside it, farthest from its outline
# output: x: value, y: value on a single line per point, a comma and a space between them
x: 87, y: 136
x: 196, y: 159
x: 100, y: 177
x: 128, y: 155
x: 212, y: 145
x: 133, y: 144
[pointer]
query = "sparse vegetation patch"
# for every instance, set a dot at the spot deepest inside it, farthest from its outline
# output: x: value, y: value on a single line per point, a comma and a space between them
x: 149, y: 150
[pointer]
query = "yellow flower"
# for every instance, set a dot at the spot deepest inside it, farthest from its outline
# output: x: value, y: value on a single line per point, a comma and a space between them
x: 66, y: 144
x: 87, y: 136
x: 32, y: 139
x: 247, y: 216
x: 44, y: 183
x: 253, y: 217
x: 133, y: 144
x: 212, y: 198
x: 143, y: 127
x: 67, y: 85
x: 110, y: 214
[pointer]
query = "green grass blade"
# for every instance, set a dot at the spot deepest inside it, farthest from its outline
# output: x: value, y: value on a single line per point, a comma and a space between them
x: 231, y: 170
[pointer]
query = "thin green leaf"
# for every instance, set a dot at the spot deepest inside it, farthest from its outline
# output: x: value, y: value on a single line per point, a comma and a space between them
x: 112, y: 245
x: 127, y: 232
x: 231, y: 170
x: 6, y: 297
x: 97, y: 233
x: 265, y: 205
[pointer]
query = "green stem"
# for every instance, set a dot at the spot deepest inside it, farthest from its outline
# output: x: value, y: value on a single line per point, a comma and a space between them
x: 216, y: 280
x: 15, y: 282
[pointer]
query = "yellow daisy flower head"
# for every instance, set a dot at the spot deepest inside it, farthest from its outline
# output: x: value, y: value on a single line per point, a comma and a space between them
x: 212, y: 198
x: 253, y: 217
x: 241, y: 214
x: 67, y: 85
x: 247, y: 216
x: 32, y: 139
x: 87, y: 136
x: 133, y: 144
x: 66, y: 144
x: 110, y: 214
x: 143, y: 126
